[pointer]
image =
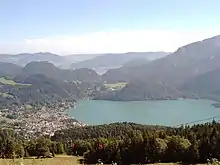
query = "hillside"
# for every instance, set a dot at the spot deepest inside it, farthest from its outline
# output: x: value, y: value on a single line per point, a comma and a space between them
x: 206, y: 85
x: 140, y: 91
x: 45, y: 68
x: 188, y: 61
x: 174, y: 70
x: 39, y: 88
x: 9, y: 69
x: 136, y: 62
x: 188, y: 72
x: 42, y: 82
x: 110, y: 61
x: 82, y: 75
x: 49, y: 70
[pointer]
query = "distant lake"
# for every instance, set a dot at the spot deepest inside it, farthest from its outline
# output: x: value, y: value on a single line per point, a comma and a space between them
x: 169, y: 112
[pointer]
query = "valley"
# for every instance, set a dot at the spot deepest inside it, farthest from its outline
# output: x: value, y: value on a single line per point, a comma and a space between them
x: 47, y: 110
x: 191, y: 72
x: 186, y: 73
x: 109, y: 82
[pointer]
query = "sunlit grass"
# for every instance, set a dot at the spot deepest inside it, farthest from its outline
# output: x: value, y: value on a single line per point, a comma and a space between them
x: 116, y: 86
x: 10, y: 82
x: 58, y: 160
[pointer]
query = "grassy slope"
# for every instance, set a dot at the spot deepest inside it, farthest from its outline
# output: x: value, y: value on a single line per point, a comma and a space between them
x: 117, y: 86
x: 10, y: 82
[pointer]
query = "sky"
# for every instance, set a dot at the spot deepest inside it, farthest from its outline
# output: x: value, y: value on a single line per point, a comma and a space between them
x: 105, y: 26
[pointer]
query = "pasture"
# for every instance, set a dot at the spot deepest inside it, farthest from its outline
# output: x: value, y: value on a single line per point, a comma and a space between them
x: 116, y: 86
x: 10, y: 82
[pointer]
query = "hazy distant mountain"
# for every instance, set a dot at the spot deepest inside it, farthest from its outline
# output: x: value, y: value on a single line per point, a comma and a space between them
x: 74, y: 58
x: 125, y: 72
x: 100, y: 62
x: 63, y: 62
x: 70, y: 59
x: 66, y: 62
x: 25, y: 58
x: 116, y: 60
x: 136, y: 62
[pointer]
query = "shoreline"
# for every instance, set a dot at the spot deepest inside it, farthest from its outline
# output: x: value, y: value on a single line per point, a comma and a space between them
x: 81, y: 124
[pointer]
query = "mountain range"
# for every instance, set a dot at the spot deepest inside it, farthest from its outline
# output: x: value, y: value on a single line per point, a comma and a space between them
x: 43, y: 82
x: 50, y: 71
x: 110, y: 61
x: 188, y: 71
x: 98, y: 62
x: 192, y: 71
x: 188, y: 61
x: 23, y: 59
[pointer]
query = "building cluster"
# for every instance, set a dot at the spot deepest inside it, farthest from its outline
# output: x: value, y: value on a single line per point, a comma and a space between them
x: 29, y: 120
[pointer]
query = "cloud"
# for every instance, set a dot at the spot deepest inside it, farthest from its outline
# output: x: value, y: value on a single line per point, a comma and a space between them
x: 116, y: 41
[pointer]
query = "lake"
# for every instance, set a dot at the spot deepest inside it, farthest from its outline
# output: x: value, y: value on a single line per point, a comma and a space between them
x: 167, y: 112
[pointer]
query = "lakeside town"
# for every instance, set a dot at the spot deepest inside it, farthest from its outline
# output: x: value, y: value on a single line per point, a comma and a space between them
x: 30, y: 121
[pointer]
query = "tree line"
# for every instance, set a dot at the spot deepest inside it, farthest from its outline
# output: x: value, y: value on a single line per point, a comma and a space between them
x: 14, y: 146
x: 129, y: 143
x: 124, y: 143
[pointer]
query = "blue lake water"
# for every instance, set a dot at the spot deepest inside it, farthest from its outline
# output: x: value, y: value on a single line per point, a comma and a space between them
x: 167, y: 112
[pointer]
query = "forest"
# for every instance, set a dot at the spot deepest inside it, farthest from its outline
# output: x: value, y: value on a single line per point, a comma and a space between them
x: 124, y: 143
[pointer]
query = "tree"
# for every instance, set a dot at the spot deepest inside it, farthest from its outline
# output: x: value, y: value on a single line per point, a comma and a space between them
x: 31, y: 148
x: 42, y: 147
x: 9, y: 149
x: 193, y: 152
x: 19, y: 151
x: 177, y: 148
x: 60, y: 148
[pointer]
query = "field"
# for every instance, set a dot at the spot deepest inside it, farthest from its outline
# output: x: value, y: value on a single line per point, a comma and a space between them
x: 64, y: 160
x: 116, y: 86
x: 55, y: 161
x: 10, y: 82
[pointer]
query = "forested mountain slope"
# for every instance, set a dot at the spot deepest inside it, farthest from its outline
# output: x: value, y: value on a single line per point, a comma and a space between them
x: 169, y: 76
